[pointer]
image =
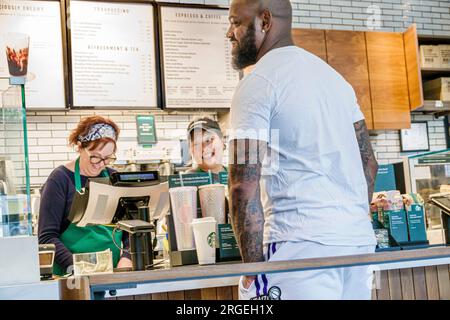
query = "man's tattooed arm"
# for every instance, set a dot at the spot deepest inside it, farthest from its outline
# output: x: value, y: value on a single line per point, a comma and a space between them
x: 245, y: 204
x: 369, y: 161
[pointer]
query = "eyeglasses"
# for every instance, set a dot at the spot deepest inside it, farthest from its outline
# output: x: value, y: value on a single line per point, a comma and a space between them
x: 96, y: 159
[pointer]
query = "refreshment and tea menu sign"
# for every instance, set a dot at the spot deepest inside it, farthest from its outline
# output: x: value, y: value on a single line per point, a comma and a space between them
x: 31, y: 46
x: 197, y: 58
x: 113, y: 54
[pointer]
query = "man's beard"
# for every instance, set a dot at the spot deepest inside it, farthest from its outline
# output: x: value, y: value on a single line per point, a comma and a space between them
x: 245, y: 53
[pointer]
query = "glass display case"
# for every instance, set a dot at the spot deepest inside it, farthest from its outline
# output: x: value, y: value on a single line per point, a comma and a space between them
x: 15, y: 200
x: 429, y: 174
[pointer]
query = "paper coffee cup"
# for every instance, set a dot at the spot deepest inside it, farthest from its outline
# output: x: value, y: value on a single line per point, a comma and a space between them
x: 205, y: 239
x: 212, y: 201
x: 184, y: 210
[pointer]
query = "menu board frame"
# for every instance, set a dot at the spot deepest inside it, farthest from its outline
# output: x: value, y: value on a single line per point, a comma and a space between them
x: 66, y: 71
x: 161, y: 54
x: 156, y: 55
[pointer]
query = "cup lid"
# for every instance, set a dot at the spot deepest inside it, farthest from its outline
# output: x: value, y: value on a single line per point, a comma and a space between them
x: 175, y: 189
x: 203, y: 220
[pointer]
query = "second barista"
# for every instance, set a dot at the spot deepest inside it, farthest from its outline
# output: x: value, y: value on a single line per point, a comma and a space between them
x: 206, y: 145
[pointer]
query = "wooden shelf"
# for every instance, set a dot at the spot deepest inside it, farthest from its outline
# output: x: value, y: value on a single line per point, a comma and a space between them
x: 432, y: 73
x: 430, y: 107
x: 433, y: 40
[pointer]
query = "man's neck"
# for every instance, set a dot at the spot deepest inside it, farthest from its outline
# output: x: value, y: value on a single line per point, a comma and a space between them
x: 281, y: 42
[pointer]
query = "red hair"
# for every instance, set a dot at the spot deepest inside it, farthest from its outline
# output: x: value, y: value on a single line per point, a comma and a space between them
x: 83, y: 128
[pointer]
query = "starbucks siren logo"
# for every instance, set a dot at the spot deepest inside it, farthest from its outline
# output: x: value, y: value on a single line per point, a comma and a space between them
x: 212, y: 239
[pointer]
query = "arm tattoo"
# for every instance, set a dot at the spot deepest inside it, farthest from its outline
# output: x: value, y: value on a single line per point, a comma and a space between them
x: 369, y: 161
x: 245, y: 204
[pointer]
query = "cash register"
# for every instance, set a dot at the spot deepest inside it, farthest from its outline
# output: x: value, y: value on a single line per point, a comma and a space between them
x: 132, y: 213
x: 132, y: 216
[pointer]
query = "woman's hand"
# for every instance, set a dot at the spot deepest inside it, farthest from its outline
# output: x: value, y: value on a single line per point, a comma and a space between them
x: 125, y: 263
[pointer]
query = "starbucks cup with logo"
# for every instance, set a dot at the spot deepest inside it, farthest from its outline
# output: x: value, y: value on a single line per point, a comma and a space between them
x: 205, y: 239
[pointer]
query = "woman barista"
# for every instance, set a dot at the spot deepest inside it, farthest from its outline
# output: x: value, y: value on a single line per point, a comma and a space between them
x: 206, y: 146
x: 95, y: 140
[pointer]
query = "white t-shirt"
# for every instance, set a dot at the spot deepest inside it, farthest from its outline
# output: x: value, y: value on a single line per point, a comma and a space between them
x: 313, y: 184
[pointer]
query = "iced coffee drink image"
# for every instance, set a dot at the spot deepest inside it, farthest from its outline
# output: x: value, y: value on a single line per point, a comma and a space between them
x: 17, y: 50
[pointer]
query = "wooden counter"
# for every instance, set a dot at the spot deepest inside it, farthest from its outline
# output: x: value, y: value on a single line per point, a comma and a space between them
x: 407, y: 274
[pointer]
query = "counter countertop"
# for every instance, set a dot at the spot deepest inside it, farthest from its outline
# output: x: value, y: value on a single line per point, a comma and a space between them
x: 43, y: 290
x: 380, y: 261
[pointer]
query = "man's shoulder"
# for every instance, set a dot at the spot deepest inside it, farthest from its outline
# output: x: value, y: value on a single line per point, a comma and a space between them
x: 284, y: 64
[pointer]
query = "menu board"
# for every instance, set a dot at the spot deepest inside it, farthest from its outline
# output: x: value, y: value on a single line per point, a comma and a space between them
x: 34, y: 28
x: 197, y: 58
x: 113, y: 54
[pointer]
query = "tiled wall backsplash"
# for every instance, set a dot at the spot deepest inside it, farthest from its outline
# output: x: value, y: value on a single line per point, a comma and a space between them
x: 431, y: 16
x: 386, y: 143
x: 48, y: 131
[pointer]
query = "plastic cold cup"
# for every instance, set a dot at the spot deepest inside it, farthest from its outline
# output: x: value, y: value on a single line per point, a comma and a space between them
x: 184, y: 210
x: 17, y: 50
x: 205, y: 239
x: 212, y: 201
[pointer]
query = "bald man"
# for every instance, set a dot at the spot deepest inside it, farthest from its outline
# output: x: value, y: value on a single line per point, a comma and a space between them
x: 301, y: 164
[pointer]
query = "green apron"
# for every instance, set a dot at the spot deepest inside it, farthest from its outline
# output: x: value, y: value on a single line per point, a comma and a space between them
x: 90, y: 238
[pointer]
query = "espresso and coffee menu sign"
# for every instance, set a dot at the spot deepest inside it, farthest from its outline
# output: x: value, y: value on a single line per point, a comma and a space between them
x: 31, y: 48
x: 113, y: 54
x: 197, y: 58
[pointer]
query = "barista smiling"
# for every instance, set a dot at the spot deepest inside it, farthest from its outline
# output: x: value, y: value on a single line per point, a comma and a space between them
x: 206, y: 145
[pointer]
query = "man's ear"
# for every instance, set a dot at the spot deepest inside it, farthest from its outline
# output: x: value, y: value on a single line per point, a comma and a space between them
x: 266, y: 20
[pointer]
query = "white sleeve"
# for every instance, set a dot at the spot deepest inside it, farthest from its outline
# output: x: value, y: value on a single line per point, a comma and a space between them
x: 251, y: 109
x: 356, y: 110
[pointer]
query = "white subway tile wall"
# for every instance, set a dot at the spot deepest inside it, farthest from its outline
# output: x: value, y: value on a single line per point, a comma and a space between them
x: 48, y: 130
x: 386, y: 143
x: 48, y: 145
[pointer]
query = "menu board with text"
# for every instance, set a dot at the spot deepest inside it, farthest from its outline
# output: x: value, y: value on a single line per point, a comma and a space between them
x: 31, y: 36
x: 197, y: 58
x: 113, y: 54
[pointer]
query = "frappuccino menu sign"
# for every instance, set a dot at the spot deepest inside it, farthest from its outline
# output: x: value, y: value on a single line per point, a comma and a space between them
x: 196, y: 58
x: 31, y: 46
x: 113, y: 54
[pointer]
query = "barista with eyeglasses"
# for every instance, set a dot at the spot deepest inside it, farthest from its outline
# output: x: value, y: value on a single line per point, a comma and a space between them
x: 95, y: 141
